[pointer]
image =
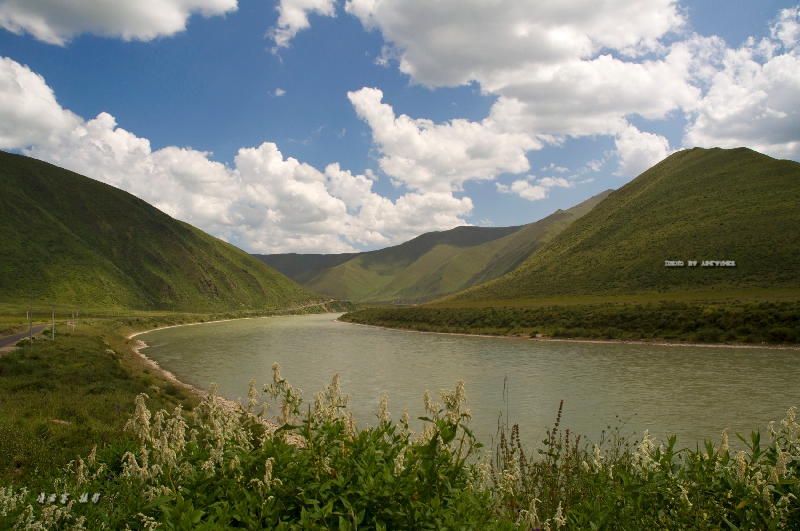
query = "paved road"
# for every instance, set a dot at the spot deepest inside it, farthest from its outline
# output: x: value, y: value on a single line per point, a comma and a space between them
x: 10, y: 340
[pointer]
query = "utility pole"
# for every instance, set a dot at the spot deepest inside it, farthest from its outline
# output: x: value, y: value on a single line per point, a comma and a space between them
x: 30, y: 320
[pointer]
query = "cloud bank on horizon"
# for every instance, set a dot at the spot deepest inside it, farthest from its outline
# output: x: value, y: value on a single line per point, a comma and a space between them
x: 557, y: 70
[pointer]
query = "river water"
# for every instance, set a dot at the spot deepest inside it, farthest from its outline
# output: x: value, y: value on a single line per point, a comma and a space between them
x: 691, y: 392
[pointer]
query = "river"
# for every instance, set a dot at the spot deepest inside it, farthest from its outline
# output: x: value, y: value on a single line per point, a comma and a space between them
x: 691, y: 392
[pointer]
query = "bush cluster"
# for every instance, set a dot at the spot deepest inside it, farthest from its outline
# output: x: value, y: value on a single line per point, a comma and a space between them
x: 777, y: 322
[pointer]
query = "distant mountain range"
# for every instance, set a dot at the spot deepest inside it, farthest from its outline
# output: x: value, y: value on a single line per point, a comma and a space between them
x: 732, y: 205
x: 74, y: 240
x: 428, y: 267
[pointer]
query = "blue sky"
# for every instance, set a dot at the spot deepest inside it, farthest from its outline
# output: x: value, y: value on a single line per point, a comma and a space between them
x: 331, y: 126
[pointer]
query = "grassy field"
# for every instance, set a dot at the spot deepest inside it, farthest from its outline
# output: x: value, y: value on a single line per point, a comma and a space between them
x: 699, y: 204
x: 704, y: 322
x: 58, y: 398
x: 73, y: 240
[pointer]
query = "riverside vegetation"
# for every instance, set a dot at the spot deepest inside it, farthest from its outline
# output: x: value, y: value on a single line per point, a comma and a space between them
x: 297, y: 466
x: 713, y: 322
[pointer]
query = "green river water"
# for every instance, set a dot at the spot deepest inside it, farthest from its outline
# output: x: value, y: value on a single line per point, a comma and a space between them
x: 692, y: 392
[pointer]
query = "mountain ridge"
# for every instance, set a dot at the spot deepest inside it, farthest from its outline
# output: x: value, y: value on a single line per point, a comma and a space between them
x: 429, y: 266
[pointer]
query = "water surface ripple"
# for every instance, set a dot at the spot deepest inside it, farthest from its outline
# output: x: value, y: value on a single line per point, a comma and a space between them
x: 691, y: 392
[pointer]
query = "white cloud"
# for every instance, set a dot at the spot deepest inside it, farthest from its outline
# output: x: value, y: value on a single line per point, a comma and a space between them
x: 29, y: 112
x: 553, y: 167
x: 294, y: 17
x: 533, y: 191
x: 57, y: 21
x: 560, y: 68
x: 265, y: 203
x: 450, y: 42
x: 279, y: 92
x: 787, y: 27
x: 439, y: 157
x: 583, y: 68
x: 753, y: 98
x: 638, y: 151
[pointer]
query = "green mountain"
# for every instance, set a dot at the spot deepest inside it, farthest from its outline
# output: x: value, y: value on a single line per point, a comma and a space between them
x: 430, y: 266
x: 72, y: 240
x: 699, y: 204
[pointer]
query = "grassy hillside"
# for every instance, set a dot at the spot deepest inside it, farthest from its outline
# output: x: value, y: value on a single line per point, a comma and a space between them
x: 699, y: 204
x: 430, y: 266
x: 72, y: 239
x: 356, y: 276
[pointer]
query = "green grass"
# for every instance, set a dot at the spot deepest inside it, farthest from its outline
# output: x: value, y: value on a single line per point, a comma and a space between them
x: 699, y: 204
x: 430, y: 266
x: 731, y: 322
x: 76, y: 241
x: 58, y: 399
x: 87, y: 378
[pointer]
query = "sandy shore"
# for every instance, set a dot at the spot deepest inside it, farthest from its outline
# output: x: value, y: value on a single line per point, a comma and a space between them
x: 660, y: 343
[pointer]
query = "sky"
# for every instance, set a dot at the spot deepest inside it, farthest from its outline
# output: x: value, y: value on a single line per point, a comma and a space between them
x: 327, y: 126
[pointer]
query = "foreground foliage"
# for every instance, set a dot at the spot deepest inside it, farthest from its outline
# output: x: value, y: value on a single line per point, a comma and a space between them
x: 765, y: 322
x: 225, y: 466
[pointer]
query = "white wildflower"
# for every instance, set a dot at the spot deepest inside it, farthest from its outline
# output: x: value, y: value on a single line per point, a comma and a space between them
x: 252, y: 395
x: 741, y: 465
x: 383, y: 412
x: 149, y: 523
x: 559, y: 518
x: 350, y: 426
x: 399, y: 461
x: 685, y: 495
x: 724, y: 448
x: 643, y: 459
x: 597, y: 459
x: 140, y: 422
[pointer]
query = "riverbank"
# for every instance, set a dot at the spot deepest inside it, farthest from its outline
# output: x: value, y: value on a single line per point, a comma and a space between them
x: 696, y: 323
x: 60, y: 398
x: 766, y: 346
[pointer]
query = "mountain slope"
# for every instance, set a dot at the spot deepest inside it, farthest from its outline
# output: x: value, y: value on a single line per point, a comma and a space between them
x: 429, y: 266
x: 361, y: 278
x: 699, y: 204
x: 72, y: 239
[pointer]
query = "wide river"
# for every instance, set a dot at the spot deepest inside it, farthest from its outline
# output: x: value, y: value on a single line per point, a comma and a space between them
x: 691, y: 392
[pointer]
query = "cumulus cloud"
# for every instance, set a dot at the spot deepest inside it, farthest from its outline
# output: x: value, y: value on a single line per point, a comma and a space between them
x: 753, y: 96
x: 264, y: 203
x: 58, y: 21
x: 560, y: 68
x: 451, y: 42
x: 279, y: 92
x: 532, y: 189
x: 29, y: 112
x: 638, y: 151
x: 426, y: 156
x: 578, y: 68
x: 293, y: 17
